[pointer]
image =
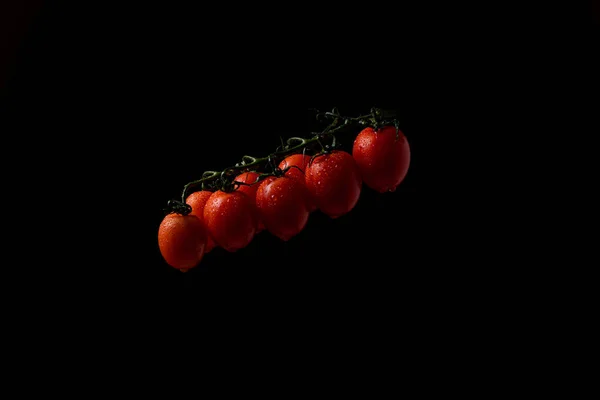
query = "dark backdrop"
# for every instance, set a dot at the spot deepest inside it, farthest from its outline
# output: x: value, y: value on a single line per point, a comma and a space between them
x: 121, y: 105
x: 142, y: 100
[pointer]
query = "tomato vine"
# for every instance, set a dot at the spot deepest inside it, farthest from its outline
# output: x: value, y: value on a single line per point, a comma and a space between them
x: 228, y: 208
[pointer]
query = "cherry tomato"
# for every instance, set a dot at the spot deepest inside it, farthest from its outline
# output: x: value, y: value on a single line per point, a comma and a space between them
x: 298, y: 164
x: 182, y: 240
x: 251, y: 179
x: 334, y: 182
x: 281, y: 203
x: 382, y: 160
x: 230, y: 219
x: 197, y: 201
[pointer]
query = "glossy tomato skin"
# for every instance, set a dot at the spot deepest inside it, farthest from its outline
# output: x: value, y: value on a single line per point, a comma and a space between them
x: 382, y: 160
x: 281, y: 203
x: 334, y: 182
x: 182, y: 240
x: 197, y: 201
x: 298, y: 164
x: 251, y: 179
x: 230, y: 219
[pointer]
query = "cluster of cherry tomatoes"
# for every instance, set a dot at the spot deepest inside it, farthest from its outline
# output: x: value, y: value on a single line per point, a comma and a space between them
x: 281, y: 203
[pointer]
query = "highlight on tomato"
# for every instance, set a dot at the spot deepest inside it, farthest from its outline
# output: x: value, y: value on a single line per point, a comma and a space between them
x: 182, y: 240
x: 282, y: 206
x: 382, y: 156
x: 230, y: 219
x: 334, y: 181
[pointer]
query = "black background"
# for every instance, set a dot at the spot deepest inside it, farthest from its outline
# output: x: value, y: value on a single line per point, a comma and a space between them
x: 122, y: 104
x: 142, y: 100
x: 119, y: 105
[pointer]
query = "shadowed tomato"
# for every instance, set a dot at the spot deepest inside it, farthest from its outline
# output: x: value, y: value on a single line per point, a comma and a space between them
x: 197, y: 201
x: 230, y: 219
x: 297, y: 164
x: 334, y: 182
x: 382, y: 160
x: 281, y: 204
x: 182, y: 240
x: 250, y: 190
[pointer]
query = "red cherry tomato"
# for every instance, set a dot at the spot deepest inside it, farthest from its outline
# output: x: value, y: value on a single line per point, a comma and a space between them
x: 251, y: 179
x: 182, y: 240
x: 197, y: 201
x: 334, y: 182
x: 382, y: 160
x: 230, y: 219
x: 281, y: 204
x: 298, y: 164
